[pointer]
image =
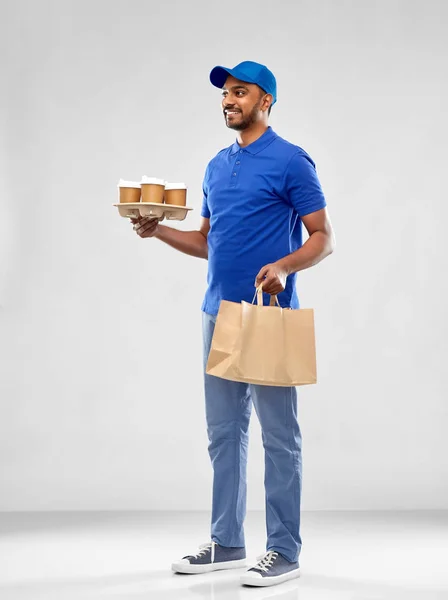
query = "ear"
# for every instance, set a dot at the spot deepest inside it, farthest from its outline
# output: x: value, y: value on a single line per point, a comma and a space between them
x: 267, y: 101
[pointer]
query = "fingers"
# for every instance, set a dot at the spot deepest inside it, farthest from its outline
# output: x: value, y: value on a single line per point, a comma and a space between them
x: 271, y: 286
x: 269, y: 278
x: 141, y: 220
x: 273, y: 290
x: 145, y: 226
x: 147, y: 229
x: 261, y: 275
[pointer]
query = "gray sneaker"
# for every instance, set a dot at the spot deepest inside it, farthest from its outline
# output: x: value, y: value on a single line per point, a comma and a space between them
x: 211, y: 557
x: 272, y: 568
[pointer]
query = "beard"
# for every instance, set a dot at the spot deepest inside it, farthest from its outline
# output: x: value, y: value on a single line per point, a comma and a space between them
x: 242, y: 122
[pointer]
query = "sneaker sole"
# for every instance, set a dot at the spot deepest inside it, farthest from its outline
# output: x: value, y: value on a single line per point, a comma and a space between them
x: 266, y: 581
x: 219, y: 566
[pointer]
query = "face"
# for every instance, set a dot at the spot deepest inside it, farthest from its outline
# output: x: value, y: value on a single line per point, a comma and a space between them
x: 243, y: 104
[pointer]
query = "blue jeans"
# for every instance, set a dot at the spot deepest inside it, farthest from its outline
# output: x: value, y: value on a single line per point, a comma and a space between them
x: 228, y: 406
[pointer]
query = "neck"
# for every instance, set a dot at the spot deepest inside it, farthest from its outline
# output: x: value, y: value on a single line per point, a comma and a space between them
x: 251, y: 134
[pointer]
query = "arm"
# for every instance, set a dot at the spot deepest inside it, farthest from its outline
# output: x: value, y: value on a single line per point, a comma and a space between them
x: 193, y: 243
x: 320, y: 244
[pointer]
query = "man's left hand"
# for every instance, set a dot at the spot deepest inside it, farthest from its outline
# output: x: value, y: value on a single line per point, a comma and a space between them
x: 273, y: 277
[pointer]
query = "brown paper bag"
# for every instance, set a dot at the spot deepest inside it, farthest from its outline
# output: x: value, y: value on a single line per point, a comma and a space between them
x: 266, y: 345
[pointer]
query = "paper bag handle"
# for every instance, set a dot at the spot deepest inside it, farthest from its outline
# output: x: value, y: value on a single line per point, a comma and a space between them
x: 259, y: 295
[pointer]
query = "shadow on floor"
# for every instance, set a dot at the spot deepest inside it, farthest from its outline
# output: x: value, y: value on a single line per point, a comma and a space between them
x: 165, y: 585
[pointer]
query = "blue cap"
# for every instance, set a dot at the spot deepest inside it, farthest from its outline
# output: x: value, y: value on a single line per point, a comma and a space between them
x: 248, y: 71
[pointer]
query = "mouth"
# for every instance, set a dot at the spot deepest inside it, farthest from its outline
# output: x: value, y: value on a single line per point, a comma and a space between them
x: 232, y: 113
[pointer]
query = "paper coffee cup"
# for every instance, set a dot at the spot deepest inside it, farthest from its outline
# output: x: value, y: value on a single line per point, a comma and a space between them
x: 176, y: 194
x: 152, y: 189
x: 128, y: 191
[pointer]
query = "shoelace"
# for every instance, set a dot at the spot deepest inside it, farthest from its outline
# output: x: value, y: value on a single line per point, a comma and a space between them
x: 265, y: 561
x: 204, y: 548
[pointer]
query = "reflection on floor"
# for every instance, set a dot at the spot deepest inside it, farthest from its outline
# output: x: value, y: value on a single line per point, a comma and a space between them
x: 128, y: 555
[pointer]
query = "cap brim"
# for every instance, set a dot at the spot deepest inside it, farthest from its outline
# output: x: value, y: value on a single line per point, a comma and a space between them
x: 218, y: 76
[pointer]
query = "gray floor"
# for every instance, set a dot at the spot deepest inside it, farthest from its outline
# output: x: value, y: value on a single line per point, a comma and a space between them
x: 345, y: 555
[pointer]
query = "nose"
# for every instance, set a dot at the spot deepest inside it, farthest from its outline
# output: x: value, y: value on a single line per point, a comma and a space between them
x: 227, y: 105
x: 227, y: 102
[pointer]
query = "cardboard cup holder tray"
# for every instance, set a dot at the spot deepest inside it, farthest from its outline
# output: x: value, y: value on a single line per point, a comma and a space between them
x: 134, y: 210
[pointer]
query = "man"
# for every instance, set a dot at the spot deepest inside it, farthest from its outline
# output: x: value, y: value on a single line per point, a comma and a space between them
x: 257, y: 194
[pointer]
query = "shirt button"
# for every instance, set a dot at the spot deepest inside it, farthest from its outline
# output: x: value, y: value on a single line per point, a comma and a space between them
x: 234, y: 174
x: 238, y: 162
x: 241, y: 151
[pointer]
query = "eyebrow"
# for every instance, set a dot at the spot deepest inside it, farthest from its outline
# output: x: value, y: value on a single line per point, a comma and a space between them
x: 236, y: 87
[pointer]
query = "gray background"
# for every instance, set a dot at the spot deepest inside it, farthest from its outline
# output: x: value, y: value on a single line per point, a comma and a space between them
x: 100, y: 344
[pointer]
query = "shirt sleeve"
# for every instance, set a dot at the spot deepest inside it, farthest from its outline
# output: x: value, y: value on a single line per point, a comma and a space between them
x: 205, y: 211
x: 302, y: 186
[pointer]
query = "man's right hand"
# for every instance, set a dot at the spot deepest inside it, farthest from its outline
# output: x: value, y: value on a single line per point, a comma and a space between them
x: 146, y: 227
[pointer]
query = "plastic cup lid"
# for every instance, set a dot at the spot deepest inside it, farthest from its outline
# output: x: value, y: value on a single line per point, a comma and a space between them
x: 153, y: 180
x: 175, y: 186
x: 128, y: 184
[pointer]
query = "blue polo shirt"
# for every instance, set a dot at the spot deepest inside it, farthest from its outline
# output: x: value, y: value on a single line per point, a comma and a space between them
x: 254, y: 198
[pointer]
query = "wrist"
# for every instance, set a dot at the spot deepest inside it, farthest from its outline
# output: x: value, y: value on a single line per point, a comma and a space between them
x: 285, y: 266
x: 158, y: 231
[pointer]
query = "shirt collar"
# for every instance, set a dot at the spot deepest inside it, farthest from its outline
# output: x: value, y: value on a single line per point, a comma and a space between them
x: 255, y: 147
